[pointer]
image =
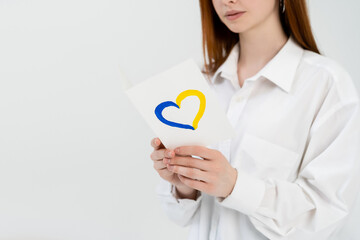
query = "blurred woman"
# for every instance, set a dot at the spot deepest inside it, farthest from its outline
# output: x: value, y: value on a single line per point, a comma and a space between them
x: 292, y: 169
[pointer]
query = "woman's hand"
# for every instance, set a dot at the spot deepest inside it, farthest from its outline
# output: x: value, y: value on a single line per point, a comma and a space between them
x: 217, y: 177
x: 161, y: 167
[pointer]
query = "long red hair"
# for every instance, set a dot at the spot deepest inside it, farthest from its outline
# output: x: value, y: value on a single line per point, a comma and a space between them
x: 218, y: 40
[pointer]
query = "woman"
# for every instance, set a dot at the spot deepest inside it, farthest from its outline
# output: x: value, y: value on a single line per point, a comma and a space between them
x: 292, y: 170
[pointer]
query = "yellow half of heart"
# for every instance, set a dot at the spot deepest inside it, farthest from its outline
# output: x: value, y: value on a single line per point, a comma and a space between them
x: 202, y: 106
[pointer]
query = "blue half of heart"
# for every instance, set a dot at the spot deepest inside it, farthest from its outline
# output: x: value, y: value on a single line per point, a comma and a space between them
x: 161, y: 107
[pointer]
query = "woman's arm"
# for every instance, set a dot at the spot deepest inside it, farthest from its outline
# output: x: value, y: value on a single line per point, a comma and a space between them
x: 316, y: 203
x: 181, y: 193
x: 179, y: 210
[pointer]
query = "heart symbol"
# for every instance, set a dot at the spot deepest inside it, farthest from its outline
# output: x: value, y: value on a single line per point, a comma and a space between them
x: 180, y: 97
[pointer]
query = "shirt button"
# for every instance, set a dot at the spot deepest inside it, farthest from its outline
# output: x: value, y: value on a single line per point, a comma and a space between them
x: 239, y: 98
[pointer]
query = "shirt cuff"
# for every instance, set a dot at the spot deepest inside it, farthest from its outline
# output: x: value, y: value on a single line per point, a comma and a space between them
x: 176, y: 196
x: 247, y: 194
x: 166, y: 189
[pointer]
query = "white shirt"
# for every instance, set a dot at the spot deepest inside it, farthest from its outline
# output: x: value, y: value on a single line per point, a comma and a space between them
x: 296, y: 150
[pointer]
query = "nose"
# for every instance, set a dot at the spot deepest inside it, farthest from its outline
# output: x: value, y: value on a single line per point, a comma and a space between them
x: 227, y: 2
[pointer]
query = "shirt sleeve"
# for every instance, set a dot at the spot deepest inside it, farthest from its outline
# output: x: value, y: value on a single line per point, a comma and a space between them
x: 315, y: 204
x: 180, y: 211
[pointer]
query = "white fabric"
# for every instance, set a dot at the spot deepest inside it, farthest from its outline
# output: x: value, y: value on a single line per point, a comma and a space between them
x: 296, y: 150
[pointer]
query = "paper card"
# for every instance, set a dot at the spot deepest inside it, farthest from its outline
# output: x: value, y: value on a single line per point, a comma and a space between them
x: 181, y: 108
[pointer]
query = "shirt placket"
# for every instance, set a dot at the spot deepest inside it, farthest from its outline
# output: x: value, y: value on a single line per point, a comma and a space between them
x: 214, y: 224
x: 235, y: 109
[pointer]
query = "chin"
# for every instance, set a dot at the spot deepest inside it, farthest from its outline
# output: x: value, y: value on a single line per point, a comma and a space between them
x: 237, y: 29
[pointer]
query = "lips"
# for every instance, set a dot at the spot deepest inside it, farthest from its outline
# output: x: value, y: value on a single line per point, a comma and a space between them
x: 232, y: 12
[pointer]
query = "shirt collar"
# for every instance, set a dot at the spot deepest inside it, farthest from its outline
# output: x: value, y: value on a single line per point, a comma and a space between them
x: 280, y: 69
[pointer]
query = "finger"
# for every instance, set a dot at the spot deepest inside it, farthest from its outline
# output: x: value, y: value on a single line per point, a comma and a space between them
x: 158, y: 165
x: 156, y: 143
x: 189, y: 162
x: 193, y: 173
x: 157, y: 154
x: 195, y: 184
x: 183, y: 155
x: 165, y: 172
x: 199, y: 151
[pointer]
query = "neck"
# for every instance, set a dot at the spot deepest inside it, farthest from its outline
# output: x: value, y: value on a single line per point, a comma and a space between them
x: 261, y: 43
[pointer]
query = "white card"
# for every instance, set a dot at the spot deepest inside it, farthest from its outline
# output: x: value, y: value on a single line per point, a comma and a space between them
x: 181, y: 108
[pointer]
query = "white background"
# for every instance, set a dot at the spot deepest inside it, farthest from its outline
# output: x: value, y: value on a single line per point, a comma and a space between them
x: 74, y: 154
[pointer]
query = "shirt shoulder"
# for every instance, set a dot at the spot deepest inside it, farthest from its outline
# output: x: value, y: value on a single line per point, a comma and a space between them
x: 330, y: 73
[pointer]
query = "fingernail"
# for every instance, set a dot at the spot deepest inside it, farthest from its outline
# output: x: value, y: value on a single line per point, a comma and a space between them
x: 156, y: 141
x: 170, y: 167
x: 169, y: 154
